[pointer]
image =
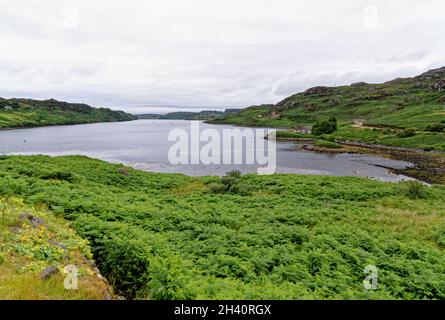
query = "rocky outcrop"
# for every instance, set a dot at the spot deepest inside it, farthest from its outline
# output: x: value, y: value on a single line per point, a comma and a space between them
x: 432, y: 74
x: 438, y: 86
x: 48, y: 272
x: 34, y: 221
x: 317, y: 90
x: 359, y: 84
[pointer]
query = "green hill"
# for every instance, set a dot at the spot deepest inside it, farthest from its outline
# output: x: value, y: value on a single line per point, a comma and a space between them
x: 32, y: 113
x: 374, y: 113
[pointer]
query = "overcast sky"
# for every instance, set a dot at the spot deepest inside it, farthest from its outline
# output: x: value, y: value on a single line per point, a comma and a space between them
x: 148, y: 55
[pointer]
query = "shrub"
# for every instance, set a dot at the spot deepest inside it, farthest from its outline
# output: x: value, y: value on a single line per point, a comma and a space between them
x: 415, y: 189
x: 228, y: 182
x: 436, y: 127
x: 241, y: 189
x: 234, y: 174
x: 231, y: 183
x: 217, y: 187
x: 406, y: 133
x: 325, y: 127
x: 231, y: 178
x: 441, y: 239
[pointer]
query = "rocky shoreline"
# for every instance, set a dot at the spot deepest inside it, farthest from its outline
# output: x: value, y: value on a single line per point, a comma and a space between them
x: 428, y: 166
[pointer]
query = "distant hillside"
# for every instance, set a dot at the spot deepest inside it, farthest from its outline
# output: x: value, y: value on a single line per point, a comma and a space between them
x: 32, y: 113
x: 182, y: 115
x: 408, y: 112
x: 409, y: 102
x: 148, y: 116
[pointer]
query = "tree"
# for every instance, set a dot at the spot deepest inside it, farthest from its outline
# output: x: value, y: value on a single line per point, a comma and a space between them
x: 325, y: 127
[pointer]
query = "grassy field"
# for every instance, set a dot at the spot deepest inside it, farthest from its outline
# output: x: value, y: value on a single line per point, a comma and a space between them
x: 169, y: 236
x: 32, y: 113
x: 384, y: 109
x: 27, y: 250
x: 423, y: 140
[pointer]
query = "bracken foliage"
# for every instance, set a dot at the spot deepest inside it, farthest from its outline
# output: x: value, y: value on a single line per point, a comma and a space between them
x: 167, y: 236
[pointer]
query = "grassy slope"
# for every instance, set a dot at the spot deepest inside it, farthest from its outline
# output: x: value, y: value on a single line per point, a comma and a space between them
x: 31, y: 113
x: 163, y: 236
x: 398, y: 104
x: 25, y: 253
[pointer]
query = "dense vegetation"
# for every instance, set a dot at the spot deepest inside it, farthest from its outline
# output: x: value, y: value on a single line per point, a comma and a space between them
x: 27, y: 249
x: 325, y: 127
x: 376, y: 113
x: 32, y: 113
x: 169, y: 236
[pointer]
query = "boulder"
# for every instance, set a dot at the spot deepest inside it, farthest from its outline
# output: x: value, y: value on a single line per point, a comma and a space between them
x: 34, y: 221
x: 49, y: 272
x: 438, y: 86
x: 89, y: 262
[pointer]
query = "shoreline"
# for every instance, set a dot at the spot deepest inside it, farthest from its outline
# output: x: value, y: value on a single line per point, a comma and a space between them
x: 429, y: 166
x: 60, y: 125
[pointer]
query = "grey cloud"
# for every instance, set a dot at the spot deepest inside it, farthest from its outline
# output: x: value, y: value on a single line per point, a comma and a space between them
x: 200, y: 54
